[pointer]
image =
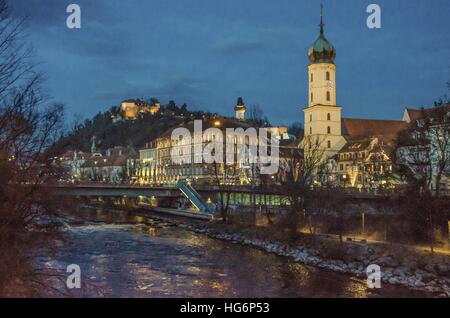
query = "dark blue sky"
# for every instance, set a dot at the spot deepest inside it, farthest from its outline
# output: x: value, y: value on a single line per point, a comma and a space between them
x: 208, y: 52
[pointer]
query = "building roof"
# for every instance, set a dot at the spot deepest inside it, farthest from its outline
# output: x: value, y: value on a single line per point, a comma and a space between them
x: 70, y: 155
x: 218, y: 122
x: 356, y: 145
x: 240, y: 104
x: 353, y: 128
x: 371, y: 145
x: 120, y: 150
x: 137, y: 102
x: 111, y: 161
x: 414, y: 113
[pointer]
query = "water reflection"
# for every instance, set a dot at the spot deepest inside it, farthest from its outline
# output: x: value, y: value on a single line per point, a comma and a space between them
x: 124, y: 255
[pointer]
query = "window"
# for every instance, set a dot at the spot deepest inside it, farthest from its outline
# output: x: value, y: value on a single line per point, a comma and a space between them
x: 312, y: 97
x: 310, y: 117
x: 341, y: 167
x: 328, y: 116
x: 329, y: 143
x: 310, y: 130
x: 328, y: 130
x: 328, y: 96
x: 312, y: 77
x: 328, y: 76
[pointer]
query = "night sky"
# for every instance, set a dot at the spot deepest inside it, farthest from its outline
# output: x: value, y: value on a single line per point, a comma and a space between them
x: 208, y: 52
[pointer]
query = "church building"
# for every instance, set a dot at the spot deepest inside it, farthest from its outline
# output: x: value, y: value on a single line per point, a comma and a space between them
x: 338, y: 136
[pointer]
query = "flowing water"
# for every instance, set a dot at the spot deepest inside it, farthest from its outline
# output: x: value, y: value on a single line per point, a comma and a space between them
x: 124, y: 254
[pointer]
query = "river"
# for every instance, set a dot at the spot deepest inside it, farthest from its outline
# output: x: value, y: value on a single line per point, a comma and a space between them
x: 124, y: 254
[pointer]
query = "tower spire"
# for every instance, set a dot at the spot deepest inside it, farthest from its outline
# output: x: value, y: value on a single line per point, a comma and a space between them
x: 321, y: 19
x: 93, y: 147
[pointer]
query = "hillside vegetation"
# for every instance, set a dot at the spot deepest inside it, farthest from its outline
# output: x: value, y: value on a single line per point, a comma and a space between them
x: 134, y: 133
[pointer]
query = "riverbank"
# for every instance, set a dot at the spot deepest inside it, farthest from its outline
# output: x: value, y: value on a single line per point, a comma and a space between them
x: 400, y: 265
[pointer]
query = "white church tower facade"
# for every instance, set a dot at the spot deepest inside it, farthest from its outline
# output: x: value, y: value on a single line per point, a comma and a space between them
x: 322, y: 116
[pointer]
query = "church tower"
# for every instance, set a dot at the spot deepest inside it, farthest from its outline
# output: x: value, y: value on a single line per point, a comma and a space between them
x: 323, y: 116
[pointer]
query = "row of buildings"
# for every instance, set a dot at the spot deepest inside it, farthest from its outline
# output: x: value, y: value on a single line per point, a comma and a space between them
x: 364, y: 161
x: 116, y: 165
x: 357, y: 152
x: 153, y: 164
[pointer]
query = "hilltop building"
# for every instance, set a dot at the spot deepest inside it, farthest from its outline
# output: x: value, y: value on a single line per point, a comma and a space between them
x: 240, y: 109
x: 131, y: 109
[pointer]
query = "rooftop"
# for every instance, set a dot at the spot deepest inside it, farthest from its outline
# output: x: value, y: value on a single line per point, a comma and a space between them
x: 359, y: 128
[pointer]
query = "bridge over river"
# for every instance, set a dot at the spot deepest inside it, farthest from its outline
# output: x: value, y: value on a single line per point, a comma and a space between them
x: 200, y: 197
x: 241, y: 195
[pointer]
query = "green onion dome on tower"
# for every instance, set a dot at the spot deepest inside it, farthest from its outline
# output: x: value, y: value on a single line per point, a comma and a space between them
x: 322, y: 51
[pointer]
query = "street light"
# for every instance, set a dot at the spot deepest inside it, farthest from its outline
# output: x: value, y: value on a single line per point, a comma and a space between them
x: 363, y: 222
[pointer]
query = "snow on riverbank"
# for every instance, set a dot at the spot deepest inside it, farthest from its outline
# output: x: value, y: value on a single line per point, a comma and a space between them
x: 414, y: 271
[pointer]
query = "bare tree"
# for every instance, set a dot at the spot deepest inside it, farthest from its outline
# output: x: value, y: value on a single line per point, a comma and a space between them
x: 264, y: 186
x: 331, y: 205
x: 423, y: 155
x: 28, y: 130
x: 256, y: 116
x: 296, y: 181
x: 224, y: 178
x: 425, y: 147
